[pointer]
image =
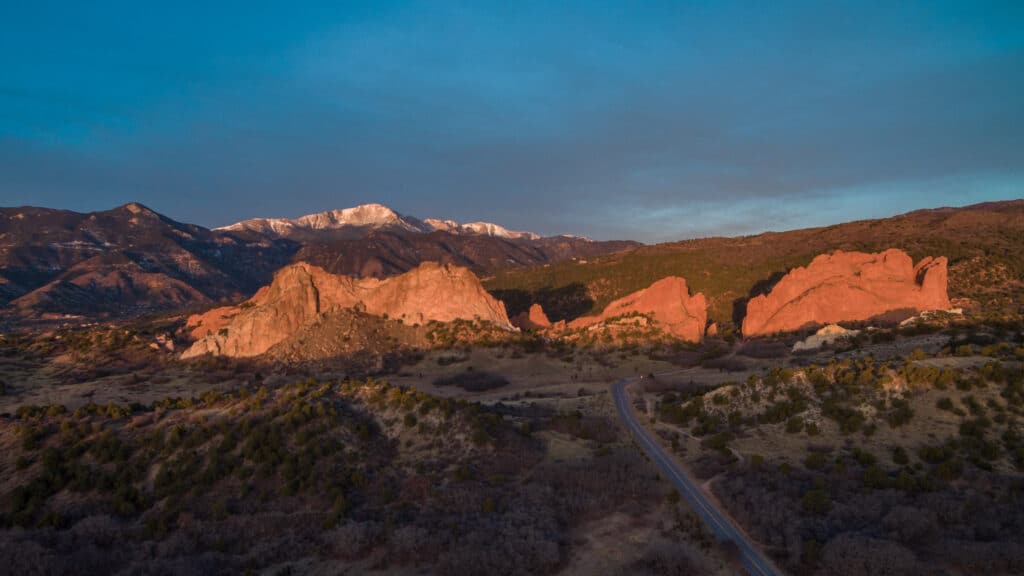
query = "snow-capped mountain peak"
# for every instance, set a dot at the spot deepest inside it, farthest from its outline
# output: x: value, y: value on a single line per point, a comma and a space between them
x: 372, y: 217
x: 363, y: 215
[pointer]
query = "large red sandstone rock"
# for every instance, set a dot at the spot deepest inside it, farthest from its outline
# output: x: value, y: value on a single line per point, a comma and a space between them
x: 848, y: 286
x: 301, y: 292
x: 534, y: 319
x: 669, y: 304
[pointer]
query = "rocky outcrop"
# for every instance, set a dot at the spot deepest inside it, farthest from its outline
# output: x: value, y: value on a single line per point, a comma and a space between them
x: 712, y: 330
x: 533, y: 319
x: 301, y: 293
x: 667, y: 302
x: 849, y: 286
x: 210, y: 322
x: 826, y: 336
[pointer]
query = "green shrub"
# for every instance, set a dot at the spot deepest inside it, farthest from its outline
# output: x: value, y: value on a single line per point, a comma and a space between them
x: 815, y: 461
x: 901, y: 413
x: 816, y: 501
x: 899, y: 456
x: 875, y: 478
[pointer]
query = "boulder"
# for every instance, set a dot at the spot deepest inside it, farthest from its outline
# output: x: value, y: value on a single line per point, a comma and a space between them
x: 533, y: 319
x: 849, y: 286
x: 301, y: 293
x: 827, y: 335
x: 667, y: 302
x: 712, y: 330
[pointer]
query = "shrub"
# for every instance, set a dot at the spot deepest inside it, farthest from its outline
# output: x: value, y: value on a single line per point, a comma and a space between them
x: 31, y: 435
x: 816, y: 501
x: 794, y: 425
x: 901, y: 413
x: 816, y: 461
x: 473, y: 381
x: 875, y: 478
x: 863, y: 457
x: 718, y: 442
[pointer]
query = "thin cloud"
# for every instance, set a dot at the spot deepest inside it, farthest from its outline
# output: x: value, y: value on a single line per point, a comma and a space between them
x: 654, y: 122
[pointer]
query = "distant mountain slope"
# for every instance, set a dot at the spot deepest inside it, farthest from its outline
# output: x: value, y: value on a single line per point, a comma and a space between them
x: 131, y: 260
x: 384, y: 253
x: 984, y: 244
x: 125, y: 261
x: 374, y: 240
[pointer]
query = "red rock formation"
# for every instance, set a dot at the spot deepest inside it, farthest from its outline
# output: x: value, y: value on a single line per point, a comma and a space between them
x: 209, y: 322
x: 848, y: 286
x: 669, y: 304
x: 301, y: 292
x: 534, y: 319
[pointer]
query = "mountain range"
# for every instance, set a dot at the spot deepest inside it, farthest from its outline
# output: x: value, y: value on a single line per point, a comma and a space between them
x: 131, y: 260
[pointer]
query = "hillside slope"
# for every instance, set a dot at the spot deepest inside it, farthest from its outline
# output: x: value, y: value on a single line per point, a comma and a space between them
x: 984, y: 244
x: 385, y: 253
x: 123, y: 261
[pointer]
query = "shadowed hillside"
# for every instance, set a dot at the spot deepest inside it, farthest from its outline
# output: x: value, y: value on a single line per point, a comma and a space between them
x: 386, y: 253
x: 124, y: 261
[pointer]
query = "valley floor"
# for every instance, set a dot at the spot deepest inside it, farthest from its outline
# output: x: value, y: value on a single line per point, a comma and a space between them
x: 879, y: 456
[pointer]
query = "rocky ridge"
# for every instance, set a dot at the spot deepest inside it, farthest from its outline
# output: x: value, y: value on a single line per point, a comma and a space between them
x: 532, y: 319
x: 302, y: 293
x: 849, y: 286
x: 669, y: 304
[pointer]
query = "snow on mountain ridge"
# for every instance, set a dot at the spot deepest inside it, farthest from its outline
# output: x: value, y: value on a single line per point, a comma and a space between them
x: 490, y: 229
x: 364, y: 215
x: 372, y: 216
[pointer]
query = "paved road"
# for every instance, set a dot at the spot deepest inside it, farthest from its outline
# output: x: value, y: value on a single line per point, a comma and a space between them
x: 753, y: 560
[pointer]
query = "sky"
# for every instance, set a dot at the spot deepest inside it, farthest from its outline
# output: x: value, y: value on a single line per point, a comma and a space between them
x: 651, y: 121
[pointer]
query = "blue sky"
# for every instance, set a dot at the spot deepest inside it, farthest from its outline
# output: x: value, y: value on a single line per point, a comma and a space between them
x: 653, y: 121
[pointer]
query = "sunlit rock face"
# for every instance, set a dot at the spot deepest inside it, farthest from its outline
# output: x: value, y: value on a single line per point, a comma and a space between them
x: 669, y: 304
x: 532, y: 319
x: 849, y: 286
x: 301, y: 292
